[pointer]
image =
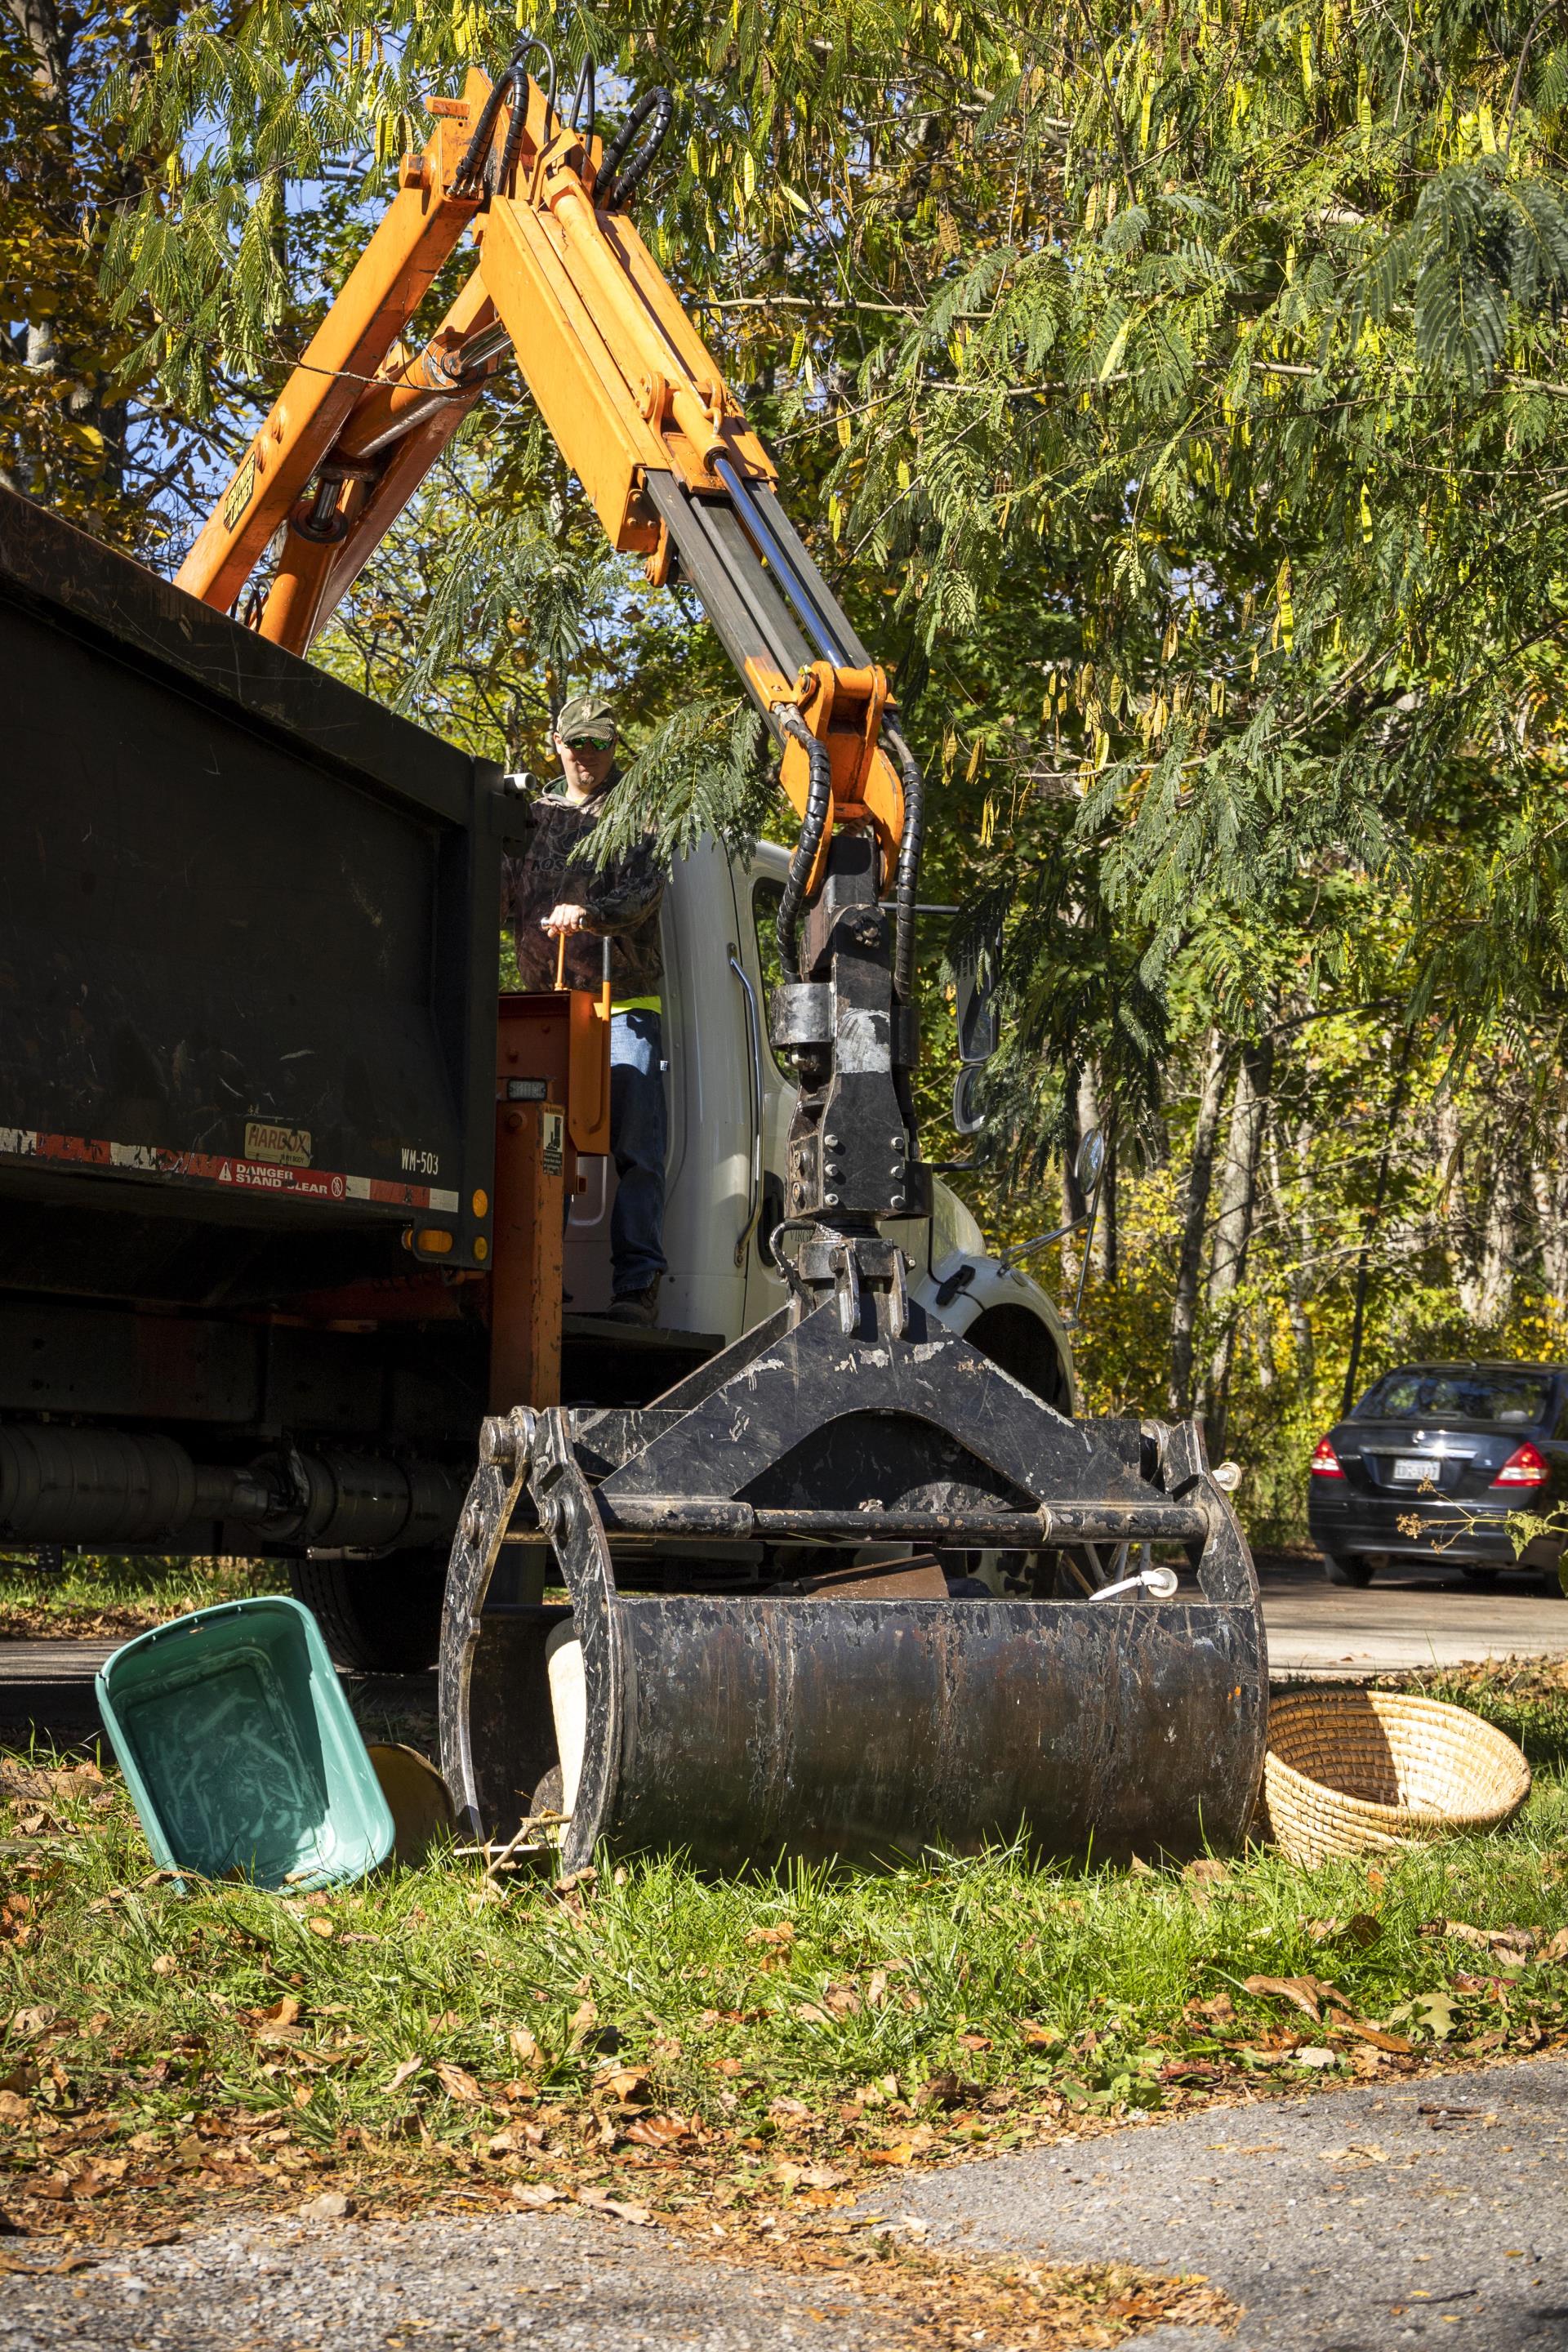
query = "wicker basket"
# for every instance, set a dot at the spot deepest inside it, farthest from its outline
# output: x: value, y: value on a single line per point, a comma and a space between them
x: 1348, y: 1771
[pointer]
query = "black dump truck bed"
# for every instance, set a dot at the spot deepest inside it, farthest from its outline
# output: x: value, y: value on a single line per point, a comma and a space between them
x: 248, y: 944
x: 247, y: 950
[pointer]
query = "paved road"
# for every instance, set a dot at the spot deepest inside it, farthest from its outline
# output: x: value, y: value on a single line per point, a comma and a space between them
x: 1341, y: 2223
x: 1345, y: 2223
x: 1414, y: 1616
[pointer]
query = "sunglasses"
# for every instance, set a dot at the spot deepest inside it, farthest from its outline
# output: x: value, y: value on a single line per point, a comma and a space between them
x: 591, y: 742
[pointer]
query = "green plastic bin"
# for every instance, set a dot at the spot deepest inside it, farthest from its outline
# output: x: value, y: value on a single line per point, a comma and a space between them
x: 240, y: 1750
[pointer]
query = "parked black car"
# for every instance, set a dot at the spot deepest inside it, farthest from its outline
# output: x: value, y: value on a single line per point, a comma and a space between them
x: 1430, y: 1463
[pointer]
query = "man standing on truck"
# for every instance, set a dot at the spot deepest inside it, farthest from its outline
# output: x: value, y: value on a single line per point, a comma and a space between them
x: 553, y: 890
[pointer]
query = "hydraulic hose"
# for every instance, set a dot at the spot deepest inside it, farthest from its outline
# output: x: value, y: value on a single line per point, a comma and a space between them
x: 906, y: 889
x: 510, y: 87
x: 819, y: 799
x: 619, y: 185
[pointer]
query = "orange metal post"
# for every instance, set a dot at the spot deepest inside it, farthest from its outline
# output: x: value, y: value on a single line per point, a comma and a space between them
x: 525, y: 1271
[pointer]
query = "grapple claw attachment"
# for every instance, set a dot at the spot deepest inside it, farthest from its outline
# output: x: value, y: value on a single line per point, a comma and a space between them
x: 791, y: 1715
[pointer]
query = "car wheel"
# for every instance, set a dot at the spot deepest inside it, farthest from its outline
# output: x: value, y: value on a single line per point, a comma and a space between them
x: 1346, y: 1568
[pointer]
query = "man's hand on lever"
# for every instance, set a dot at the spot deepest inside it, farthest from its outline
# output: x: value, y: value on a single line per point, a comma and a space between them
x: 564, y: 918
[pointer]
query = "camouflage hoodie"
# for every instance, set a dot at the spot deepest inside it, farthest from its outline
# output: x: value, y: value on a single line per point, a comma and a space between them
x: 622, y: 899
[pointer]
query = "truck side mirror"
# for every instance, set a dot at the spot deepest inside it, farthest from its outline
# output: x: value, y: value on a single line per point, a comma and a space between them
x: 968, y: 1119
x: 1089, y: 1162
x: 974, y: 1005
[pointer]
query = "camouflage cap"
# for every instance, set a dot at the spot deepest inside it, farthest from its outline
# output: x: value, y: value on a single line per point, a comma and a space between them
x: 585, y: 714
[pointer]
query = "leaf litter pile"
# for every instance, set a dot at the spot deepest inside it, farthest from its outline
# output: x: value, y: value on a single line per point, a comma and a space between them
x: 753, y: 2064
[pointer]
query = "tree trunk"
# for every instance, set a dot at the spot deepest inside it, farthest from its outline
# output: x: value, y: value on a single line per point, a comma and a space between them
x: 1233, y: 1226
x: 1549, y: 1186
x: 1503, y: 1201
x: 1301, y: 1224
x: 1194, y: 1224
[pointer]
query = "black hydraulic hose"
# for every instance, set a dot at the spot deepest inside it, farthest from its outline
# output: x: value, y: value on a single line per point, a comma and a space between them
x: 585, y: 99
x: 616, y: 186
x: 518, y: 122
x: 510, y: 85
x: 819, y: 799
x: 754, y: 521
x: 906, y: 889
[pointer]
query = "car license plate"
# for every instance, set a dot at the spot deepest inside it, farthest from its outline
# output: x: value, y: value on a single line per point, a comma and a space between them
x: 1417, y: 1466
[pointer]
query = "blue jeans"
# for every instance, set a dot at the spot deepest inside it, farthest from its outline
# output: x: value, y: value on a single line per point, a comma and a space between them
x: 638, y: 1138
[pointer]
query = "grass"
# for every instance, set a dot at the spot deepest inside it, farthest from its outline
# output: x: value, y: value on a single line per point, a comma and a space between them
x: 90, y: 1594
x: 768, y: 2045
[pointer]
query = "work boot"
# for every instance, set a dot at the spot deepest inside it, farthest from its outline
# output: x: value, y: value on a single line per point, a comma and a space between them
x: 635, y: 1306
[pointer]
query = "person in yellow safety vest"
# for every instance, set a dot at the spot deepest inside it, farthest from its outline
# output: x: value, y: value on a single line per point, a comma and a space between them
x: 553, y: 891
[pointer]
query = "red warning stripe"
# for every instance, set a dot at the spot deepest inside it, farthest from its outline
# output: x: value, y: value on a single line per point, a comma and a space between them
x: 208, y: 1168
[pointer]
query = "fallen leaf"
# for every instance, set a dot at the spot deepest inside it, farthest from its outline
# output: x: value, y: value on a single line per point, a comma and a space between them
x: 973, y: 2041
x: 599, y: 2201
x: 665, y: 2130
x: 534, y: 2193
x: 902, y: 2152
x: 285, y: 2011
x: 1557, y: 1949
x: 950, y: 2090
x: 457, y: 2082
x: 333, y: 2205
x: 15, y: 2112
x: 1518, y: 1940
x: 1360, y: 1930
x: 320, y: 1924
x: 786, y: 2110
x: 1039, y: 2037
x: 1219, y: 2010
x: 404, y: 2072
x: 521, y: 2044
x: 164, y: 1965
x: 808, y: 2176
x: 778, y: 1937
x: 810, y: 2013
x: 1376, y: 2036
x: 1306, y: 1992
x: 622, y: 2082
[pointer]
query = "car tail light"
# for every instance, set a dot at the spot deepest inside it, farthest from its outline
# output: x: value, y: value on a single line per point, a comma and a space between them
x: 1524, y: 1467
x: 1325, y: 1462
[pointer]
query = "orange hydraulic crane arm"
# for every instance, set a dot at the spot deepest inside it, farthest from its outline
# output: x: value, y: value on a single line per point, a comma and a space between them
x: 636, y: 403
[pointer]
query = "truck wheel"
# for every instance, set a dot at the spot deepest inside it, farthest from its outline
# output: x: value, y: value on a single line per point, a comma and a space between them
x: 1346, y: 1568
x: 376, y: 1616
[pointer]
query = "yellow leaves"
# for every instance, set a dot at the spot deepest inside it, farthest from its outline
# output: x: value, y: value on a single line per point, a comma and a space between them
x: 1285, y: 621
x: 1305, y: 45
x: 988, y: 815
x: 845, y: 428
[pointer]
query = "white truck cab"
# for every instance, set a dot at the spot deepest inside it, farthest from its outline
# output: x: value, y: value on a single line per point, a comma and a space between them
x: 731, y: 1105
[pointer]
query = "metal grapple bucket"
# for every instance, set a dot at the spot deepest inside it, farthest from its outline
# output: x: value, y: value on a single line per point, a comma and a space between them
x: 1016, y: 1666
